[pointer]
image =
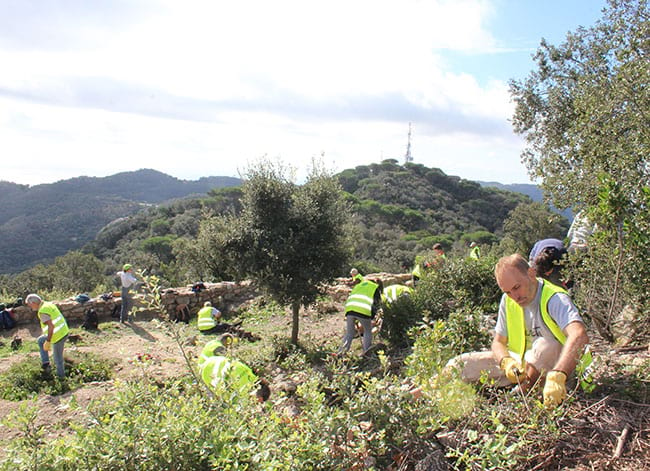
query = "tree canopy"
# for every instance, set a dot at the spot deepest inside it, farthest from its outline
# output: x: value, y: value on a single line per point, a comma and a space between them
x: 585, y: 115
x: 289, y: 238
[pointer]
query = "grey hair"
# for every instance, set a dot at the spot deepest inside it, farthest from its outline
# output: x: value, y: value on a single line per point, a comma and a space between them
x: 33, y: 298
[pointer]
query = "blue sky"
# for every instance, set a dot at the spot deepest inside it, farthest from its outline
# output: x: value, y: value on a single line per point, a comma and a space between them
x: 199, y: 87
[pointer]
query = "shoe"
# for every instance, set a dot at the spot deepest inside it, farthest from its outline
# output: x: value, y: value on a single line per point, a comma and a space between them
x: 45, y: 367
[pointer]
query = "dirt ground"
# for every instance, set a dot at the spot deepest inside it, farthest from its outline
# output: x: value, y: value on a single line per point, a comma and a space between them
x: 127, y: 345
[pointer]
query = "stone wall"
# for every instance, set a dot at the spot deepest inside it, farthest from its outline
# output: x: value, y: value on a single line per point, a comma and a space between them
x: 226, y: 296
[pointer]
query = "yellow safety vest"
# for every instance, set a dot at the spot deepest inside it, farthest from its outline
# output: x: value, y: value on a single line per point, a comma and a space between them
x: 517, y: 329
x: 392, y: 292
x: 205, y: 320
x: 208, y: 351
x: 60, y: 325
x: 361, y: 298
x: 234, y: 374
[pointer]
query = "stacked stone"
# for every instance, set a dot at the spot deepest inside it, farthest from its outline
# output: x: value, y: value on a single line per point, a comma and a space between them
x: 225, y: 295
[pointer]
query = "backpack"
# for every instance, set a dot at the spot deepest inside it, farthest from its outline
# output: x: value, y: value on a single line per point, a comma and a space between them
x: 7, y: 320
x: 82, y: 298
x: 198, y: 287
x: 91, y: 321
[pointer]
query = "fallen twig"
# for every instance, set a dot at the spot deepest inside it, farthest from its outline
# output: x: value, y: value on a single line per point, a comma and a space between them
x: 621, y: 442
x: 630, y: 349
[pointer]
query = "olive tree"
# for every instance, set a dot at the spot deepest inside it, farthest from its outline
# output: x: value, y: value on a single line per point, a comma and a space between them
x: 289, y: 238
x: 585, y: 115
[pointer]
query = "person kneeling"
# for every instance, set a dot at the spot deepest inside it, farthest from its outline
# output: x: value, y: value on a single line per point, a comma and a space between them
x: 220, y: 372
x: 539, y: 335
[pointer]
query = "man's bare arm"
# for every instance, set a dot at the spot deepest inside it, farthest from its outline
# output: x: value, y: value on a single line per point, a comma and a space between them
x: 576, y: 339
x: 500, y: 348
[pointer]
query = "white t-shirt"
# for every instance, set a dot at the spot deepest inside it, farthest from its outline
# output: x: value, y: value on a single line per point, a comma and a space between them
x: 560, y: 308
x: 127, y: 279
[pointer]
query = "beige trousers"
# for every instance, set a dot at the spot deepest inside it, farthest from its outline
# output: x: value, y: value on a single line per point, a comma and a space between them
x: 543, y: 355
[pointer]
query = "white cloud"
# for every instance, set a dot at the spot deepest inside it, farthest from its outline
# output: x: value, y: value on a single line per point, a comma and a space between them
x: 200, y: 87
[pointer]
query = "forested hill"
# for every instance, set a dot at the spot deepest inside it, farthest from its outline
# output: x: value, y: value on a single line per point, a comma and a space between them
x: 534, y: 191
x: 404, y: 209
x: 399, y: 210
x: 41, y: 222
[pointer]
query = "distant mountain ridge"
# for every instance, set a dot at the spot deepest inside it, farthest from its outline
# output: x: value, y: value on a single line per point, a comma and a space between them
x: 533, y: 191
x: 41, y: 222
x: 44, y: 221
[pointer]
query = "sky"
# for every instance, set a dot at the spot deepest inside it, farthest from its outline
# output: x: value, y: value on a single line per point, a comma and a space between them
x: 208, y: 88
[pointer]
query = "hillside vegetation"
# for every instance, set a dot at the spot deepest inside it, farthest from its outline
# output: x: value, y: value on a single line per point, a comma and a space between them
x: 399, y: 211
x: 42, y: 222
x: 396, y: 406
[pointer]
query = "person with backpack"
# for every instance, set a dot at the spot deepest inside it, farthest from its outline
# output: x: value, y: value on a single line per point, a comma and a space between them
x: 7, y: 318
x: 55, y: 332
x: 127, y: 281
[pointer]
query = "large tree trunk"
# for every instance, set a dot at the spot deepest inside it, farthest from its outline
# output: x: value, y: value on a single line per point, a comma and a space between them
x: 295, y: 308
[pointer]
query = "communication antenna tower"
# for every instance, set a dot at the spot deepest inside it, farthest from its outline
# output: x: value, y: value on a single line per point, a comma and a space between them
x: 408, y: 157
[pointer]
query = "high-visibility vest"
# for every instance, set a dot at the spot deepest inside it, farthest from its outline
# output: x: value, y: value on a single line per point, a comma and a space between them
x: 392, y: 292
x: 208, y: 351
x: 219, y: 370
x: 361, y: 298
x: 517, y: 327
x: 60, y: 325
x: 205, y: 320
x: 475, y: 252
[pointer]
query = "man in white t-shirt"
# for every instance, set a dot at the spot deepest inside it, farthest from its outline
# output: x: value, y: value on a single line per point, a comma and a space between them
x: 539, y: 333
x: 127, y: 281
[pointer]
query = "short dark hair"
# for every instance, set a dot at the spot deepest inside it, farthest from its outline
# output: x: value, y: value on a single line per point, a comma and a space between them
x: 549, y: 259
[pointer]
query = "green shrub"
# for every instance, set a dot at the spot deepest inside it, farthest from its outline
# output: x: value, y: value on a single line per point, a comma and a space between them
x: 458, y: 282
x: 398, y: 317
x: 27, y: 379
x: 440, y: 340
x: 463, y: 285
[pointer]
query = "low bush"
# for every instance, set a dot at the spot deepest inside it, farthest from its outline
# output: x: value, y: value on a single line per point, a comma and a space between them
x: 458, y: 282
x: 27, y: 379
x: 465, y: 285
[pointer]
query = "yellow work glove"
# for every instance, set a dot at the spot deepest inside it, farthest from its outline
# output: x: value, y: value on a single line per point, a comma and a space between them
x: 46, y: 346
x: 513, y: 370
x: 554, y: 389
